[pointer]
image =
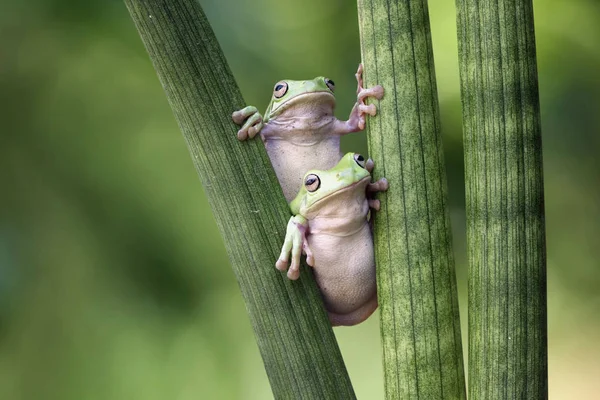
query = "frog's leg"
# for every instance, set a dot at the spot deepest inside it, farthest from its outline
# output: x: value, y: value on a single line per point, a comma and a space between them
x: 362, y: 94
x: 356, y: 122
x: 296, y: 243
x: 380, y: 185
x: 253, y: 122
x: 354, y: 317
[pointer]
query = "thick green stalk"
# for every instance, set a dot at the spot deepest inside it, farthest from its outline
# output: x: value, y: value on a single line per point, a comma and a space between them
x: 294, y: 336
x: 418, y: 299
x: 505, y: 200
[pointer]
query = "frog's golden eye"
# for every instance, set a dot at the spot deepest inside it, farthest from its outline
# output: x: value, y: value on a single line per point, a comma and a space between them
x: 312, y: 182
x: 330, y: 84
x: 360, y: 160
x: 280, y: 89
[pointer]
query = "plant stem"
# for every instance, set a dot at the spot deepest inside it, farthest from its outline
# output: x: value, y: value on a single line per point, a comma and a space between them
x: 505, y: 200
x: 294, y: 336
x: 418, y: 299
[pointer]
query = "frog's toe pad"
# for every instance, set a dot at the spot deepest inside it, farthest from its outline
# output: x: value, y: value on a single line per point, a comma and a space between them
x: 380, y: 186
x: 237, y: 117
x: 242, y: 134
x: 281, y: 265
x: 374, y: 204
x: 367, y: 109
x: 293, y: 273
x: 377, y: 92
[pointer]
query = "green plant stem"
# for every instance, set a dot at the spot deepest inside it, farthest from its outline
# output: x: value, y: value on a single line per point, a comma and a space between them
x: 294, y: 336
x: 418, y: 299
x: 505, y: 203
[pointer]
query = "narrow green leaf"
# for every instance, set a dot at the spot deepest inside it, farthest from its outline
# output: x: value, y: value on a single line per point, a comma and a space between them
x: 294, y: 336
x: 418, y: 299
x: 505, y: 203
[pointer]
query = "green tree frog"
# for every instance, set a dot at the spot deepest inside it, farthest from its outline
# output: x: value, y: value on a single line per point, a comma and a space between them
x: 299, y: 129
x: 331, y: 226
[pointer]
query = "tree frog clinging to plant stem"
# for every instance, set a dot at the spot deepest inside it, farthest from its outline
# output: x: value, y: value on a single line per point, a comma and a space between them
x: 330, y: 225
x: 299, y: 129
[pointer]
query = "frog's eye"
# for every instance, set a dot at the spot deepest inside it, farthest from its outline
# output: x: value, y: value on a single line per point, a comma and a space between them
x: 330, y: 84
x: 312, y: 182
x: 280, y: 89
x: 360, y: 160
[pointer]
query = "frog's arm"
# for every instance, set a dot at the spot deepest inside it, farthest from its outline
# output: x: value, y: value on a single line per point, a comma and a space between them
x: 251, y: 121
x: 295, y: 242
x: 356, y: 121
x: 381, y: 185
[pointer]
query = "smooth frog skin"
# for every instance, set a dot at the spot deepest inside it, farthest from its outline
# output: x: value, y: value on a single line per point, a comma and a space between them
x: 299, y: 129
x: 331, y: 226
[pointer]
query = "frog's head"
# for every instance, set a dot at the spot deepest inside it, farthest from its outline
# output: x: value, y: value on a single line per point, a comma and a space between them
x: 318, y: 185
x: 301, y: 95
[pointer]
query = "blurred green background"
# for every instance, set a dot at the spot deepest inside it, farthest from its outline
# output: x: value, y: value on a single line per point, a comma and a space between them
x: 114, y: 283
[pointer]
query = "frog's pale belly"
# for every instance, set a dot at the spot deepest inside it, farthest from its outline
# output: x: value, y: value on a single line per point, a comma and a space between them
x: 291, y: 161
x: 344, y: 268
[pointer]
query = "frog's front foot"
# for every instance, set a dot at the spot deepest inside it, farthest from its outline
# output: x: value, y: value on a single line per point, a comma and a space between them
x: 356, y: 122
x: 296, y: 243
x: 380, y: 185
x: 362, y: 94
x: 253, y: 122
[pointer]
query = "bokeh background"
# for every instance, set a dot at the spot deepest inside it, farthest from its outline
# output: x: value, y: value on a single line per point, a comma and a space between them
x: 114, y: 283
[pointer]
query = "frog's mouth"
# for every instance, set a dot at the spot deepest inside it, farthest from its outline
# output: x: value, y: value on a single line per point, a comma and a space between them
x: 322, y: 97
x: 362, y: 182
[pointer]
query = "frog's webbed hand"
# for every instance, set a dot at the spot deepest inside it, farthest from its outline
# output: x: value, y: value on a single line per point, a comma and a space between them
x: 362, y: 94
x: 381, y: 185
x: 296, y: 243
x: 356, y: 122
x: 252, y: 122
